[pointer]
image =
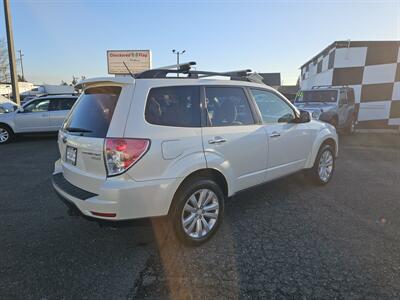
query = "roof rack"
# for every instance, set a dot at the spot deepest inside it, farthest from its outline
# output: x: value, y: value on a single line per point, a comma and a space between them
x: 185, y: 68
x: 181, y: 66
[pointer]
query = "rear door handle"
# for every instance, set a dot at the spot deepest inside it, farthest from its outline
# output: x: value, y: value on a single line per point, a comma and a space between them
x: 217, y: 140
x: 275, y: 134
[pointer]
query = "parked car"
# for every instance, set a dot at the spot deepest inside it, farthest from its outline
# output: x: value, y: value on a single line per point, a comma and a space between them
x: 45, y: 114
x: 334, y: 105
x: 157, y: 146
x: 7, y: 105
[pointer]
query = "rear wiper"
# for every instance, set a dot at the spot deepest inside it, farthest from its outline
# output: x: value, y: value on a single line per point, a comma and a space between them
x: 77, y: 129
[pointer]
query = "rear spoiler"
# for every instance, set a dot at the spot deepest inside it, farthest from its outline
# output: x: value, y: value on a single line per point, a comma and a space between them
x: 119, y: 80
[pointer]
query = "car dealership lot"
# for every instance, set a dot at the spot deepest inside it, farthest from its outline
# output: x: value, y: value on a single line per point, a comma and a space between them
x: 284, y: 239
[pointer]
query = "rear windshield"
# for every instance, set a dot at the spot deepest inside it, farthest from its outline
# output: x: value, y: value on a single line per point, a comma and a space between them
x: 316, y: 96
x: 92, y: 115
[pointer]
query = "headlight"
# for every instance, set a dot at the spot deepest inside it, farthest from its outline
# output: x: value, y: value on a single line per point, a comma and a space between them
x: 316, y: 114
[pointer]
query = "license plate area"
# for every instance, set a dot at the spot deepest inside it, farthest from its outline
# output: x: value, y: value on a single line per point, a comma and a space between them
x: 70, y: 156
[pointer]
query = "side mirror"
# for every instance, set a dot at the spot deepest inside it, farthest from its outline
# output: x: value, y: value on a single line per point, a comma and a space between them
x: 304, y: 117
x: 21, y: 109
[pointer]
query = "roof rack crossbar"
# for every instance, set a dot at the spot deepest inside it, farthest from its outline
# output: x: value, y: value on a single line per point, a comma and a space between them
x: 239, y: 73
x: 186, y: 65
x: 162, y: 73
x: 156, y: 73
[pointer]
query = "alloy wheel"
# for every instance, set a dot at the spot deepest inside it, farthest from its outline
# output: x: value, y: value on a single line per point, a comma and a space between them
x: 4, y: 135
x: 200, y: 213
x: 325, y: 166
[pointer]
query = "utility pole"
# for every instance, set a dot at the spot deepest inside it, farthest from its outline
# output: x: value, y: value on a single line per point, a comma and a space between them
x: 177, y: 58
x: 11, y: 52
x: 22, y: 66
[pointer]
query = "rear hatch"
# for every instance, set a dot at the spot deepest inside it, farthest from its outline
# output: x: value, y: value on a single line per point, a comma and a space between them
x: 81, y: 138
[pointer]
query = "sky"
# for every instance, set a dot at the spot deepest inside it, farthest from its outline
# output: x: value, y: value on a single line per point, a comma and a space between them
x: 61, y: 38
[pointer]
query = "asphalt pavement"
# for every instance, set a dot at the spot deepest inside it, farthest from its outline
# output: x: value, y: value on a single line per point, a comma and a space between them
x: 285, y: 239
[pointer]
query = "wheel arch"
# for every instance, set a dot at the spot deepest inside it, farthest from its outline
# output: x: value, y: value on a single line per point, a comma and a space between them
x: 207, y: 173
x: 335, y: 118
x: 330, y: 141
x: 7, y: 126
x: 214, y: 174
x: 323, y: 138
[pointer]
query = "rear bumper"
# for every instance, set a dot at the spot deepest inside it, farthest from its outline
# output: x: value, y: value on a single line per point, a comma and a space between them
x: 124, y: 200
x: 73, y: 210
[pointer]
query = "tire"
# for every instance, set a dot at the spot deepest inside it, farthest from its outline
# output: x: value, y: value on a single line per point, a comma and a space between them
x: 203, y: 219
x: 316, y: 174
x: 350, y: 128
x: 6, y: 134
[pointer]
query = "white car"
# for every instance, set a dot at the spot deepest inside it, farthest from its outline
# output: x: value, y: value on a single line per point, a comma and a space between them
x: 155, y: 146
x: 43, y: 114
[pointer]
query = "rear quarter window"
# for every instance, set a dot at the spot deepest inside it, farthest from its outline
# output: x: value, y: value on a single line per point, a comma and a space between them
x: 93, y: 113
x: 177, y: 106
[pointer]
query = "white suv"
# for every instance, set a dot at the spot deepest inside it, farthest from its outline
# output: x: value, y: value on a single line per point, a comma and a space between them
x: 155, y: 145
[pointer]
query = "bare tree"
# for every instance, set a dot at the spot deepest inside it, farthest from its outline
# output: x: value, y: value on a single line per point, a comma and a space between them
x: 4, y: 65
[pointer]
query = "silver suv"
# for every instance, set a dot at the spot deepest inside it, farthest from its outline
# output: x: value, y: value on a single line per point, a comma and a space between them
x: 44, y: 114
x: 153, y: 145
x: 334, y: 105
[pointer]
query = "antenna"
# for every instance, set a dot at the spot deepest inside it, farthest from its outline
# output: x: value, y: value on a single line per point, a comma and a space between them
x: 130, y: 73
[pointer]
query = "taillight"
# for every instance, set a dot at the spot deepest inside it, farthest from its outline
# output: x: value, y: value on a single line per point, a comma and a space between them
x: 120, y: 154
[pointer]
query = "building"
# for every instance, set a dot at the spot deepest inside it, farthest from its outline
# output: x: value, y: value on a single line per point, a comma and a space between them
x: 372, y: 68
x: 271, y: 79
x: 6, y: 88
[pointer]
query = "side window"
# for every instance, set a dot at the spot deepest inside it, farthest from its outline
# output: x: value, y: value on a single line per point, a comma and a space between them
x: 55, y: 104
x: 61, y: 104
x: 37, y: 106
x: 319, y: 67
x: 331, y: 59
x: 174, y: 106
x: 67, y: 103
x: 343, y: 97
x: 228, y: 106
x: 273, y: 109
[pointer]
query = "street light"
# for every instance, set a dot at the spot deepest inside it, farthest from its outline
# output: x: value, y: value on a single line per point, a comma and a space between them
x: 177, y: 58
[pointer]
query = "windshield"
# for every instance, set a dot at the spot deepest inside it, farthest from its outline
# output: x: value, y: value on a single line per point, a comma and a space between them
x: 316, y: 96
